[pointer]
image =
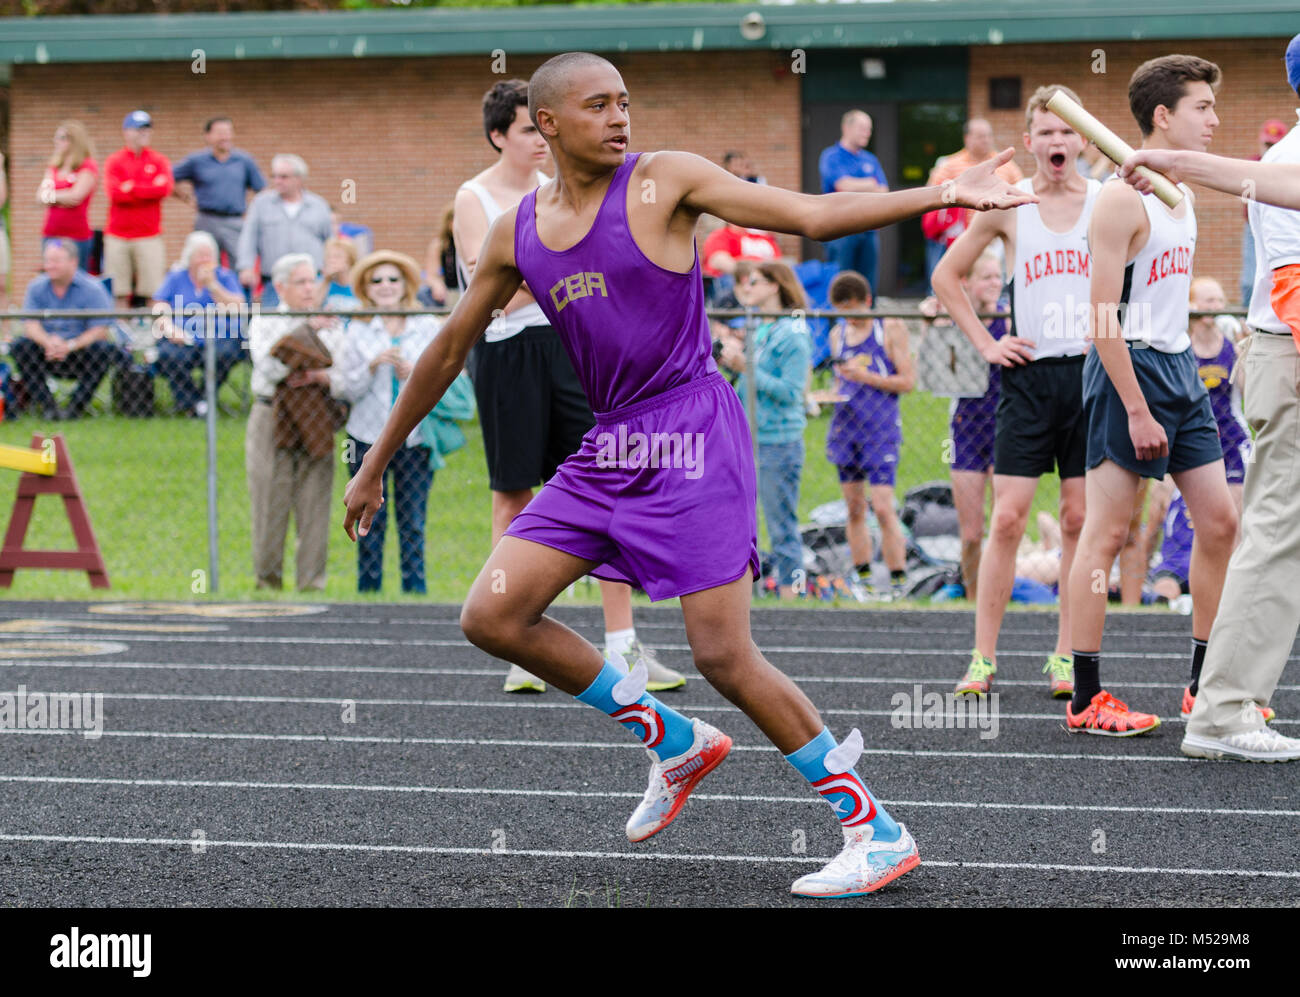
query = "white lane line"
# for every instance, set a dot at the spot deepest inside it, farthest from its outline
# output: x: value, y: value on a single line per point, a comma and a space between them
x: 969, y: 721
x: 335, y: 787
x: 338, y: 846
x: 586, y: 745
x: 497, y: 671
x: 462, y: 643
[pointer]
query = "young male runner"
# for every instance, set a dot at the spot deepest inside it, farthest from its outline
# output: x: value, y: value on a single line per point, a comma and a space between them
x: 1039, y: 426
x: 1253, y: 634
x: 609, y: 247
x: 531, y: 406
x: 1148, y: 411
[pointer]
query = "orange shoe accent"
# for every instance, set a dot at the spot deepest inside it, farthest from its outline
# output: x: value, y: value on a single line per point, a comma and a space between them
x: 686, y: 782
x: 1108, y: 716
x: 1189, y: 701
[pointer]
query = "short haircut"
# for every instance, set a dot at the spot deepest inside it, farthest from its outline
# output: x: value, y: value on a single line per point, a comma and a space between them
x: 1039, y: 98
x: 1164, y: 82
x: 499, y: 105
x: 287, y: 264
x: 295, y: 163
x: 196, y: 240
x: 63, y: 243
x: 207, y: 125
x: 848, y: 116
x: 849, y: 285
x: 547, y: 86
x: 965, y: 129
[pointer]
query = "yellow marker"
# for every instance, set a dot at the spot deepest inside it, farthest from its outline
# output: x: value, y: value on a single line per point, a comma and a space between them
x: 23, y: 459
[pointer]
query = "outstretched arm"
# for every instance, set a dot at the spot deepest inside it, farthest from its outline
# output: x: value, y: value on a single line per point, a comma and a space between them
x: 701, y: 186
x: 495, y: 282
x: 1271, y: 183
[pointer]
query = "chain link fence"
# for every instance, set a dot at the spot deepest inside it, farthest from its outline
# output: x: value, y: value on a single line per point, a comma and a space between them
x: 201, y: 478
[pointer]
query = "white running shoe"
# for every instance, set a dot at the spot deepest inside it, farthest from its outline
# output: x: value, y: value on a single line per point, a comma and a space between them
x: 518, y: 680
x: 863, y: 867
x: 661, y: 677
x: 672, y: 780
x: 1262, y: 745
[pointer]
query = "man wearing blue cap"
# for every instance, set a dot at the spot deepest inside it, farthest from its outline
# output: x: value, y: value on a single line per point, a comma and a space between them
x: 1259, y: 612
x: 138, y: 178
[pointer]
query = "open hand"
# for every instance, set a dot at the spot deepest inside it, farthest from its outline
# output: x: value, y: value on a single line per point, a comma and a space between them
x: 981, y: 188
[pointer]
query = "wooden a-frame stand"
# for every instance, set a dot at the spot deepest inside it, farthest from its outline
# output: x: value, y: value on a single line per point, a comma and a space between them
x: 63, y: 483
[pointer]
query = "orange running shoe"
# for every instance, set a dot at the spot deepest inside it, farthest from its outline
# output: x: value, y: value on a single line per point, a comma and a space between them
x: 1189, y: 701
x: 1108, y: 716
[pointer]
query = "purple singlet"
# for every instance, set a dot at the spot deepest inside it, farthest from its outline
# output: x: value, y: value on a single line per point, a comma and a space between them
x: 1216, y: 373
x: 662, y: 492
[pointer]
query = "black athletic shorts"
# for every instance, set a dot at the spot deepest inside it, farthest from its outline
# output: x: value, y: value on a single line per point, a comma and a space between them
x: 531, y: 406
x: 1040, y: 424
x: 1177, y: 398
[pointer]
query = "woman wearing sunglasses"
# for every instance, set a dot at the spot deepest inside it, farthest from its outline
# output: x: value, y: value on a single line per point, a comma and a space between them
x: 378, y: 357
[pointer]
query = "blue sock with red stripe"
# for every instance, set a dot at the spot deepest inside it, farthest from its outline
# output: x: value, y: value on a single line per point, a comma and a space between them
x: 830, y: 770
x: 621, y: 695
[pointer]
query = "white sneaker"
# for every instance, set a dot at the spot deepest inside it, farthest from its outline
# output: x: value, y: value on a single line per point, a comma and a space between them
x: 518, y: 680
x: 1262, y: 745
x: 672, y: 780
x: 863, y: 867
x: 661, y: 677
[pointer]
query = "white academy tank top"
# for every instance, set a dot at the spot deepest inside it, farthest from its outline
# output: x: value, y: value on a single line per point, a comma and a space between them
x: 520, y: 319
x: 1158, y: 280
x: 1050, y: 281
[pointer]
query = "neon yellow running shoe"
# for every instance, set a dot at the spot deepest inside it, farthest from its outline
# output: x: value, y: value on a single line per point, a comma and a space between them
x: 1062, y: 668
x: 979, y: 676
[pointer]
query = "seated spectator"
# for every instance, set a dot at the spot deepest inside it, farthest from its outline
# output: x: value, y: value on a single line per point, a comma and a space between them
x: 782, y: 360
x: 873, y: 367
x: 290, y: 464
x: 336, y: 285
x: 67, y: 188
x: 77, y: 348
x: 378, y: 358
x: 197, y: 295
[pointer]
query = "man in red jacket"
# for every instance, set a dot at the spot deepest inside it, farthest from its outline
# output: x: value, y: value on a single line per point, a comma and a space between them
x: 138, y: 179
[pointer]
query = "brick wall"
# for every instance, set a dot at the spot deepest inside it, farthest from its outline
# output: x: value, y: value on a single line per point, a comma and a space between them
x: 1253, y: 90
x: 406, y: 131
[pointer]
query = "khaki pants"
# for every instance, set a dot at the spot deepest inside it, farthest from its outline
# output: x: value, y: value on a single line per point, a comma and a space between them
x: 141, y: 259
x: 1259, y: 613
x: 280, y: 481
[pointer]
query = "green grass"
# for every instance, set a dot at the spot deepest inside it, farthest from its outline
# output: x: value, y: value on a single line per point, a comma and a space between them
x: 145, y: 485
x: 923, y: 456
